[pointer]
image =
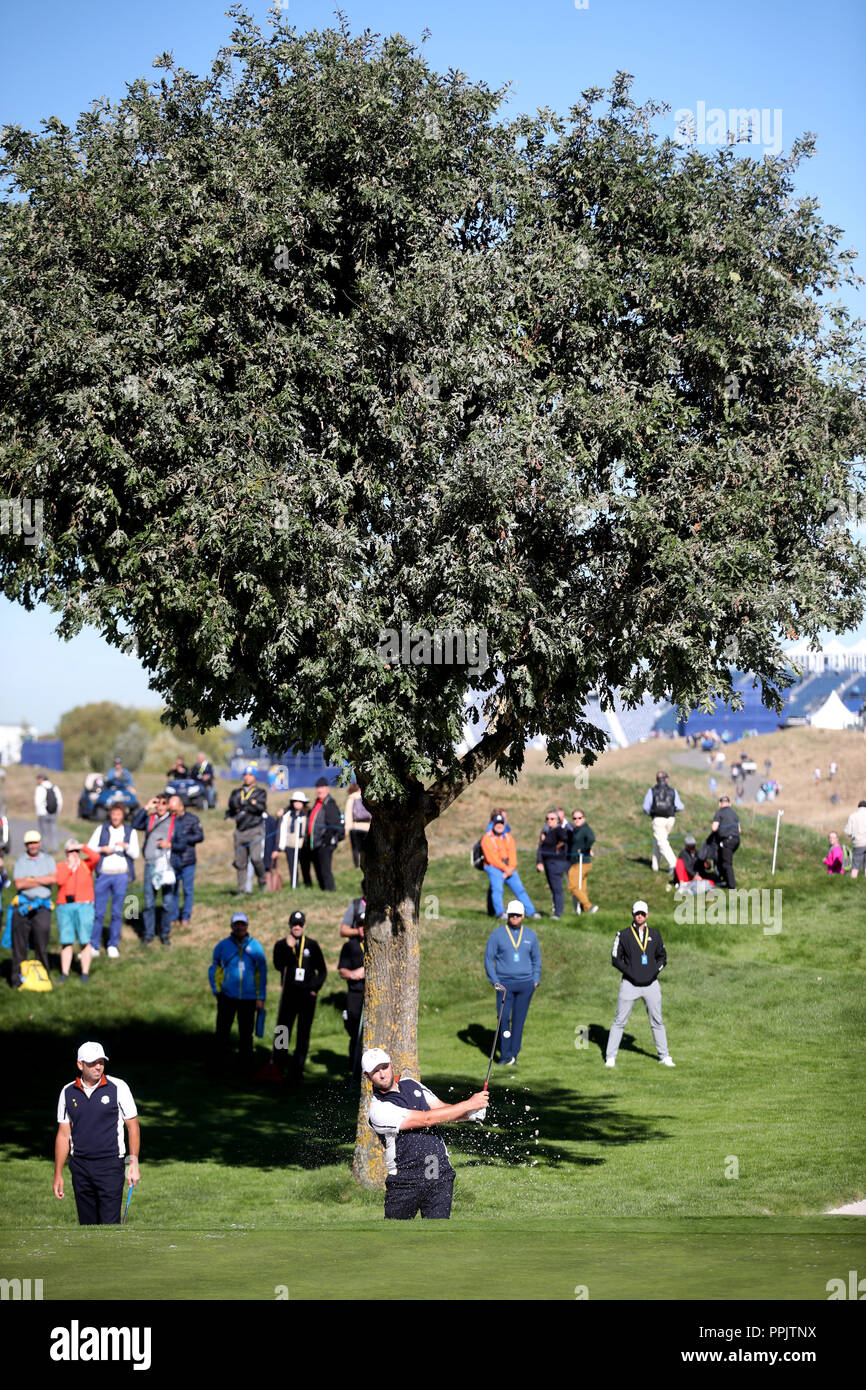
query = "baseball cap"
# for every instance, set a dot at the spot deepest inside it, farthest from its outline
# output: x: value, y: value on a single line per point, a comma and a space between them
x: 498, y: 820
x: 32, y: 837
x: 250, y: 767
x: 690, y: 840
x: 513, y: 907
x: 639, y: 906
x: 240, y: 917
x: 297, y: 919
x: 323, y: 782
x: 92, y: 1052
x: 72, y: 843
x: 372, y: 1058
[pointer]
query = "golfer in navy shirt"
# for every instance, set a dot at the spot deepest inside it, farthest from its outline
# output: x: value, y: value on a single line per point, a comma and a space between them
x: 404, y: 1114
x: 512, y: 962
x: 91, y: 1114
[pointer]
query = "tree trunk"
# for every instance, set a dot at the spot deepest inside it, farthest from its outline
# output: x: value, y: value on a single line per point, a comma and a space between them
x: 394, y: 862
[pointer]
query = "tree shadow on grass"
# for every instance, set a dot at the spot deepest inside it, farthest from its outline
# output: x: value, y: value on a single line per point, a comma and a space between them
x: 518, y: 1116
x: 476, y: 1035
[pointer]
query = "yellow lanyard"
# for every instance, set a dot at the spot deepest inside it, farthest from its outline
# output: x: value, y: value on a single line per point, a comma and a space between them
x: 246, y: 792
x: 301, y: 951
x: 642, y: 944
x: 515, y: 944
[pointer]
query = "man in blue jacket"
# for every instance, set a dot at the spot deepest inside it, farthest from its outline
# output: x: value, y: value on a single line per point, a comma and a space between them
x: 512, y: 961
x: 238, y: 977
x: 187, y: 834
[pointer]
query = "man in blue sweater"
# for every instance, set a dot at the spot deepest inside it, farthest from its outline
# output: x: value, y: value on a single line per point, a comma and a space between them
x: 238, y: 977
x: 512, y: 961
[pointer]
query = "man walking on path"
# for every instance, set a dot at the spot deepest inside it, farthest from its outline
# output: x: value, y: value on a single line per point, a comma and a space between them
x: 661, y: 803
x: 404, y: 1114
x: 500, y: 865
x: 639, y: 955
x: 582, y: 841
x: 855, y: 828
x: 48, y: 803
x: 91, y: 1115
x: 512, y: 962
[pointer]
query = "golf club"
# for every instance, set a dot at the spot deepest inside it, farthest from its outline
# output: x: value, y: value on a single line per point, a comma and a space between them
x: 495, y: 1039
x: 128, y: 1200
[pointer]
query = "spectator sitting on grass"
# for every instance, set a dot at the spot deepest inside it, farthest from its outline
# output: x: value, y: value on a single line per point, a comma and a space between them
x: 690, y: 873
x: 834, y: 861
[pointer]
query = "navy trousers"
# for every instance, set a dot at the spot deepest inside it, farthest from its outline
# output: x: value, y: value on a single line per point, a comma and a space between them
x: 556, y: 870
x: 433, y: 1199
x: 518, y: 997
x: 98, y: 1187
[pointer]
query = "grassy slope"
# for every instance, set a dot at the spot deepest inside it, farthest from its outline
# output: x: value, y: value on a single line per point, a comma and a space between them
x: 764, y: 1029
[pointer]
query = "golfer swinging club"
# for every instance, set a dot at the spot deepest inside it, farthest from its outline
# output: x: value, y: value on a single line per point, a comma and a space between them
x: 403, y: 1113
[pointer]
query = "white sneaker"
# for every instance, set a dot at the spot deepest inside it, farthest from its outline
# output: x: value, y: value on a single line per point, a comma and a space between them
x: 594, y: 908
x: 667, y: 1062
x: 610, y: 1061
x: 95, y: 952
x: 113, y: 953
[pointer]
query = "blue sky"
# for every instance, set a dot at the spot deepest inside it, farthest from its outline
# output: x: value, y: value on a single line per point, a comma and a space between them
x: 803, y: 60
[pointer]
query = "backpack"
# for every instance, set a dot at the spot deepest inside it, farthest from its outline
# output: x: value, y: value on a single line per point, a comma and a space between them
x: 663, y: 802
x: 35, y: 976
x: 51, y: 802
x: 477, y: 856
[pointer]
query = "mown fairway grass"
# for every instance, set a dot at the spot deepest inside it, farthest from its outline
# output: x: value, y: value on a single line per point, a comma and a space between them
x: 766, y: 1031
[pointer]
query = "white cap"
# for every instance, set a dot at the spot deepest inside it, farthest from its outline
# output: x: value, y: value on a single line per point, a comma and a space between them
x: 373, y: 1058
x: 639, y: 906
x: 513, y: 907
x: 92, y: 1052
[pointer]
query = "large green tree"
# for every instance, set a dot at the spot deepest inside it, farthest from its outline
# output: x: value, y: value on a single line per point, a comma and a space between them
x: 320, y: 344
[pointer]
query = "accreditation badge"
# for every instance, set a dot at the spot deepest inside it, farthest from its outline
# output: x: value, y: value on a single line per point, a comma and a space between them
x: 299, y: 975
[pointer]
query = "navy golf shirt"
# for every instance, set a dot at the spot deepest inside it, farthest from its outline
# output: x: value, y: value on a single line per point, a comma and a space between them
x: 96, y: 1121
x: 413, y: 1148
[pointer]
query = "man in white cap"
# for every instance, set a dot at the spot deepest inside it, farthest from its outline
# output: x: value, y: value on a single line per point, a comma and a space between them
x: 404, y: 1114
x: 91, y: 1115
x: 639, y: 955
x: 33, y: 875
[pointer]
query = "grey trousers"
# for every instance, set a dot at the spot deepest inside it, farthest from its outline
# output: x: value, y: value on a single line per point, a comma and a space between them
x: 48, y: 831
x: 249, y: 846
x: 652, y: 997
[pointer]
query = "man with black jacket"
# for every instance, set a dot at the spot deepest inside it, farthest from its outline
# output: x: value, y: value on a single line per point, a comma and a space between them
x: 324, y: 833
x: 248, y: 806
x: 639, y: 955
x: 302, y: 969
x: 726, y: 833
x: 187, y: 834
x: 554, y: 844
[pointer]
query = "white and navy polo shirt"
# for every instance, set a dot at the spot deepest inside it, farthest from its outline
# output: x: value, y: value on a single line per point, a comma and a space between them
x: 407, y: 1153
x: 96, y: 1115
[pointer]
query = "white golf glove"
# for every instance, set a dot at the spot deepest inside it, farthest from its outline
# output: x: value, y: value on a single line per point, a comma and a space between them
x: 480, y: 1114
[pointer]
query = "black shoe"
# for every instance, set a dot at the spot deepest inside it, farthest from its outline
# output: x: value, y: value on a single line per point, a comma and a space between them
x: 61, y: 980
x: 165, y: 941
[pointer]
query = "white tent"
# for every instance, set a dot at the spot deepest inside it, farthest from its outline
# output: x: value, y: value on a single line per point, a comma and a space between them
x: 833, y: 715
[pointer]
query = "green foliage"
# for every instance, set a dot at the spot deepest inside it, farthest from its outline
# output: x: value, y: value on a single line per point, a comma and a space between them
x: 91, y: 732
x: 318, y: 344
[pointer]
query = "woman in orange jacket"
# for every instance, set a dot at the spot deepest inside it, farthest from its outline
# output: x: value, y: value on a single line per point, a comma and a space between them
x: 500, y: 865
